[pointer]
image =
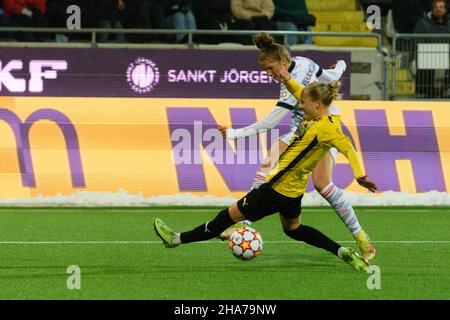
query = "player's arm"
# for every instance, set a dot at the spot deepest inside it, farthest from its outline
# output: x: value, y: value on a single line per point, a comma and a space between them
x: 329, y: 75
x: 344, y: 146
x: 294, y: 88
x: 270, y: 121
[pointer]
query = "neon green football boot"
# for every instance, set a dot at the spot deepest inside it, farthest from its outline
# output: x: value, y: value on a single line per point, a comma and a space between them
x: 354, y: 259
x: 228, y: 232
x: 164, y: 233
x: 368, y: 250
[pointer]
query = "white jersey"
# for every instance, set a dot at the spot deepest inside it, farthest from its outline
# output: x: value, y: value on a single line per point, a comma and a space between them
x: 304, y: 71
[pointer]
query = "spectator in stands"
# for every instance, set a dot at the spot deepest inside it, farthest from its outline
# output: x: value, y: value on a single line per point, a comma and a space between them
x: 56, y: 15
x: 213, y: 15
x: 108, y: 17
x: 434, y: 22
x: 8, y: 22
x: 253, y: 15
x: 146, y: 14
x: 180, y: 17
x: 406, y: 13
x: 292, y: 15
x: 27, y: 13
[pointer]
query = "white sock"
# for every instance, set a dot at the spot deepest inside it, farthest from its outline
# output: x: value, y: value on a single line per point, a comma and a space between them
x: 339, y: 202
x: 176, y: 240
x: 260, y: 178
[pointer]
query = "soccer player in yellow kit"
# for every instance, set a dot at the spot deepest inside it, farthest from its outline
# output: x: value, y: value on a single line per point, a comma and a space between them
x: 273, y: 58
x: 286, y: 183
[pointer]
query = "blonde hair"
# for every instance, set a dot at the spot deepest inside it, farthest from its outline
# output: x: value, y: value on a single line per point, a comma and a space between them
x: 325, y: 93
x: 269, y: 49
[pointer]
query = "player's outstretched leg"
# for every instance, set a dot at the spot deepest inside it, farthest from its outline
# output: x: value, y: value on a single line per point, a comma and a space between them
x: 260, y: 178
x: 272, y: 157
x: 322, y: 177
x: 317, y: 239
x: 203, y: 232
x: 340, y: 203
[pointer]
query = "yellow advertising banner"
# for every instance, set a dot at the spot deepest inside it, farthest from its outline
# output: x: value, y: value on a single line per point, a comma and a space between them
x: 167, y: 146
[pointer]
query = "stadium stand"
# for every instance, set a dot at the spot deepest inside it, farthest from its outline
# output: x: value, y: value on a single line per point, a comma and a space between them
x: 333, y: 16
x: 339, y: 16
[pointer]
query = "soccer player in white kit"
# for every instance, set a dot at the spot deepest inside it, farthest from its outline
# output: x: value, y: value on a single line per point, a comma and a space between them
x: 272, y: 57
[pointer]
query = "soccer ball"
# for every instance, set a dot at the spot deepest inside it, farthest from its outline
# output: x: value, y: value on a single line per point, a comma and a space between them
x: 245, y: 243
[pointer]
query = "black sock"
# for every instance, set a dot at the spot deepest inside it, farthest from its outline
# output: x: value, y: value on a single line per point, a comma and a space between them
x: 313, y: 237
x: 208, y: 230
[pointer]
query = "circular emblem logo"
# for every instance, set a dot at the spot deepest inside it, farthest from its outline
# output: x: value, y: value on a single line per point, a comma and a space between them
x: 142, y: 75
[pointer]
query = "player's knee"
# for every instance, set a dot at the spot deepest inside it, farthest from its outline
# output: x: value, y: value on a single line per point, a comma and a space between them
x: 319, y: 187
x: 266, y: 163
x: 290, y: 232
x: 322, y: 175
x: 290, y: 224
x: 320, y: 182
x: 235, y: 214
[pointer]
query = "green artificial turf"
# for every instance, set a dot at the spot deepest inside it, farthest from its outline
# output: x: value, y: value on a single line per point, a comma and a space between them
x: 120, y: 257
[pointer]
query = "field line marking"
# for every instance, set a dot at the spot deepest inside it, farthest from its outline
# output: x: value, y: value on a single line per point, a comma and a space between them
x: 216, y: 242
x: 188, y: 209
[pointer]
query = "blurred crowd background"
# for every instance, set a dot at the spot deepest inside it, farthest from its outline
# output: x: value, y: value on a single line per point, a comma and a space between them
x: 404, y: 16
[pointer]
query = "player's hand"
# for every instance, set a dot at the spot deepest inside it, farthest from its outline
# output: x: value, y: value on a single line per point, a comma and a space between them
x: 280, y: 73
x: 223, y: 131
x: 366, y: 183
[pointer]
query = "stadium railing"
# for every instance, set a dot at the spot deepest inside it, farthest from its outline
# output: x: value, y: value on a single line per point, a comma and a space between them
x: 382, y: 54
x: 420, y: 67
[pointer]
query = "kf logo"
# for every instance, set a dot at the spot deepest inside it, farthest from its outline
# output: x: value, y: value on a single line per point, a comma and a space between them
x: 74, y: 280
x: 374, y: 280
x: 38, y: 71
x: 74, y: 20
x: 244, y: 203
x: 374, y: 20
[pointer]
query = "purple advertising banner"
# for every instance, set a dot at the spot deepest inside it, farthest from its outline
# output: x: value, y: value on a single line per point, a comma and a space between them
x: 150, y: 73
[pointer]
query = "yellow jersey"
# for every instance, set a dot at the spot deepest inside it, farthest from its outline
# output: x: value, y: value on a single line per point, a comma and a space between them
x: 290, y: 174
